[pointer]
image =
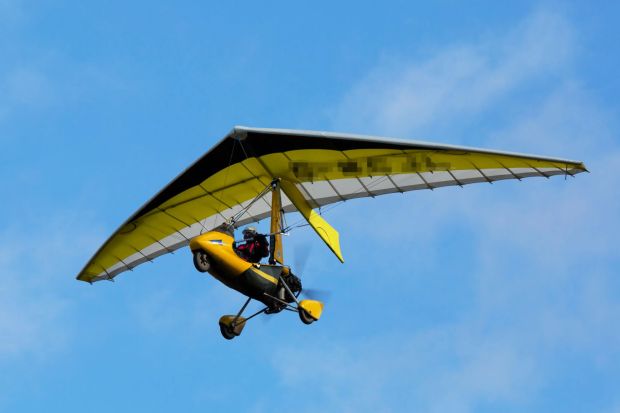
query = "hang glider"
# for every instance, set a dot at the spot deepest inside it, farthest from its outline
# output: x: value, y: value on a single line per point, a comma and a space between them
x: 314, y: 169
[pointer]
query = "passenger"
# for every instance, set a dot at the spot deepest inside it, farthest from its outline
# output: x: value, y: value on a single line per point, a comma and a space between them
x: 256, y: 246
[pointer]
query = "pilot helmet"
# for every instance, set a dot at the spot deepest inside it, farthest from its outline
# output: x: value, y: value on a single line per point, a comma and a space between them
x: 249, y: 232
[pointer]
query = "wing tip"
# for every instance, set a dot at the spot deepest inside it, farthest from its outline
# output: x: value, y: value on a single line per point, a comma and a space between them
x: 82, y: 277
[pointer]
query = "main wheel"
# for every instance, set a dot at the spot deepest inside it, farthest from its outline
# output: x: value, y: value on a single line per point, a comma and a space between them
x: 305, y: 317
x: 227, y: 332
x: 201, y: 261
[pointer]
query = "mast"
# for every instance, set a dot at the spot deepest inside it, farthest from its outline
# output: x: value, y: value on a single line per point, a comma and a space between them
x: 275, y: 239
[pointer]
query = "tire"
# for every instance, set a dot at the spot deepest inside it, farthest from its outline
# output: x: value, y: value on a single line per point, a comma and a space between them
x: 201, y: 261
x: 227, y: 332
x: 305, y: 317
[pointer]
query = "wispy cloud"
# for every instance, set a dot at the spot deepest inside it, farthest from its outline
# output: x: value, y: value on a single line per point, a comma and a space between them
x: 49, y: 82
x: 34, y: 313
x: 37, y: 79
x: 404, y: 97
x: 545, y: 258
x: 398, y: 372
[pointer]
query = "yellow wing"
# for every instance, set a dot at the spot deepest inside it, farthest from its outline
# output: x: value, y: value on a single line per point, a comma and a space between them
x: 316, y: 168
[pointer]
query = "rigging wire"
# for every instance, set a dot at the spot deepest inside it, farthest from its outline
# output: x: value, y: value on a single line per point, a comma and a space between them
x: 287, y: 228
x: 264, y: 192
x: 218, y: 212
x: 245, y: 209
x: 299, y: 223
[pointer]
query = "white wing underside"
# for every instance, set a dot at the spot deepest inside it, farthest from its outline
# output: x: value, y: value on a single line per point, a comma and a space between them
x: 327, y: 192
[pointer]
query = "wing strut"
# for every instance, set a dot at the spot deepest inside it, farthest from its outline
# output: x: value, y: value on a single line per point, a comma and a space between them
x: 275, y: 243
x: 327, y: 233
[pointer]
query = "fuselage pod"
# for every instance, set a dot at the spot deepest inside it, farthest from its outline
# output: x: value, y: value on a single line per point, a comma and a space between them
x: 257, y: 281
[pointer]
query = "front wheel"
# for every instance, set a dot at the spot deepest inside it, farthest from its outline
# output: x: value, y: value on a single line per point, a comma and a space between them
x: 201, y: 261
x: 305, y: 317
x: 227, y: 331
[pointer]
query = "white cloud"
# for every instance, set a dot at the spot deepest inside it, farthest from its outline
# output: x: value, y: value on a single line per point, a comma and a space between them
x: 614, y: 409
x: 35, y: 79
x: 51, y: 81
x: 34, y: 314
x: 566, y: 119
x: 403, y: 97
x: 545, y: 252
x: 159, y: 311
x: 29, y: 322
x: 451, y: 368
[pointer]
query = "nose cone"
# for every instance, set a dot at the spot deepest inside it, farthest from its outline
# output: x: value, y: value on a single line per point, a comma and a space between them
x: 207, y: 242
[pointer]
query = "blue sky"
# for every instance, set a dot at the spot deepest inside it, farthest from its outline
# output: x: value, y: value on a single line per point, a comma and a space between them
x: 499, y: 297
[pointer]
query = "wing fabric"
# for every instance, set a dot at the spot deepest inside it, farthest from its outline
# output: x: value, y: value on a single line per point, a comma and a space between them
x: 325, y: 168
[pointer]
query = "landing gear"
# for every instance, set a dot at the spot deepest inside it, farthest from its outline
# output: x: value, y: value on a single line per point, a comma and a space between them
x: 305, y: 317
x: 231, y: 326
x: 309, y: 310
x: 201, y: 261
x: 285, y: 297
x: 227, y: 331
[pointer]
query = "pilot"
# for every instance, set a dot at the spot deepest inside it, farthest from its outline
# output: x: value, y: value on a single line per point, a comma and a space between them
x: 256, y: 246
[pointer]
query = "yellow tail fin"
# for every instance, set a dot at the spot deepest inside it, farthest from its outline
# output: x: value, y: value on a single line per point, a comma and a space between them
x: 327, y: 233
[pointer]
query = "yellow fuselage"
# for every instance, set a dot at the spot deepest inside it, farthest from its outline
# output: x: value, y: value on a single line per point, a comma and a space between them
x: 232, y: 270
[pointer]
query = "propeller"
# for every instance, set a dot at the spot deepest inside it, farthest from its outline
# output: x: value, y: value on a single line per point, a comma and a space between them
x: 300, y: 258
x: 301, y: 254
x: 316, y: 294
